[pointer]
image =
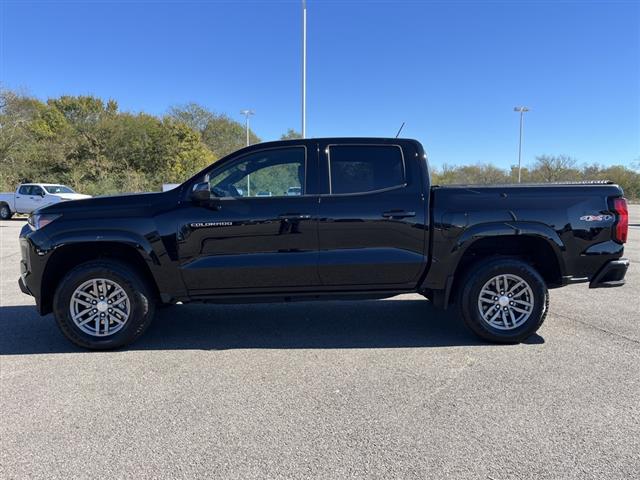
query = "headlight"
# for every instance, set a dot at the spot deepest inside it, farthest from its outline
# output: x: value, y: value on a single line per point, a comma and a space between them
x: 39, y: 220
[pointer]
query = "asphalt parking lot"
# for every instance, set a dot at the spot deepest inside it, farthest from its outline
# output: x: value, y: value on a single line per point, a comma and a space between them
x: 378, y: 389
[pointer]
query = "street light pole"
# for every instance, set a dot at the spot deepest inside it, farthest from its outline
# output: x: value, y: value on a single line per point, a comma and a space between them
x: 304, y: 69
x: 520, y: 109
x: 247, y: 114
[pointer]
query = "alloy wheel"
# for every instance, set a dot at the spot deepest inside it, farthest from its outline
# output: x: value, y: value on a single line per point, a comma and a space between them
x: 505, y: 302
x: 100, y: 307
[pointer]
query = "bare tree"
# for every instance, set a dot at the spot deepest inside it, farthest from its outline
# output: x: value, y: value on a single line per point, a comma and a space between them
x: 551, y: 168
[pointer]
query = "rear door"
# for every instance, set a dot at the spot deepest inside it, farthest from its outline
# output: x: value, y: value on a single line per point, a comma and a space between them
x: 372, y: 221
x: 259, y: 231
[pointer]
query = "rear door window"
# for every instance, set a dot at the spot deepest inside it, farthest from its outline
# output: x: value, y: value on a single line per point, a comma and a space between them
x: 365, y: 168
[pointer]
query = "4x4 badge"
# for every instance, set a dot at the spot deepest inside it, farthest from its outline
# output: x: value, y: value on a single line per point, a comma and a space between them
x: 596, y: 218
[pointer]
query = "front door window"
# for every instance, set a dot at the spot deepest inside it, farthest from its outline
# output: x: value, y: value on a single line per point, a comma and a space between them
x: 274, y: 172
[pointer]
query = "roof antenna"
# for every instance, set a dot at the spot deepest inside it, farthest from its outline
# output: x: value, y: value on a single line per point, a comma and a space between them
x: 401, y: 127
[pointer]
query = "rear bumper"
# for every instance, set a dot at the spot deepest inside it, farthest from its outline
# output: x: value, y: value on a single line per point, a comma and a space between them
x: 611, y: 274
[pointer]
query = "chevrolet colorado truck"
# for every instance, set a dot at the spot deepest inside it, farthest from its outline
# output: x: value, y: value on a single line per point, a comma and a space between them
x: 31, y: 196
x: 365, y: 223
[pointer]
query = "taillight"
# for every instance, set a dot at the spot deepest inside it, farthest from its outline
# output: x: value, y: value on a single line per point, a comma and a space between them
x: 621, y: 227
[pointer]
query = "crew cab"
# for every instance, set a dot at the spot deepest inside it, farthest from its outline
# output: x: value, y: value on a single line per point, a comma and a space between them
x: 365, y: 223
x: 31, y: 196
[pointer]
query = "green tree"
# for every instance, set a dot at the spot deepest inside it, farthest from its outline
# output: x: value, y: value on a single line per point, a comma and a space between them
x: 627, y: 178
x: 87, y: 143
x: 291, y: 135
x: 469, y: 174
x: 83, y: 111
x: 195, y: 116
x: 220, y: 133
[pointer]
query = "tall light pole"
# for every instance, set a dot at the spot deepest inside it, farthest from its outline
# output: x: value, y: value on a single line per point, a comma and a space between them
x: 520, y: 109
x: 247, y: 114
x: 304, y: 69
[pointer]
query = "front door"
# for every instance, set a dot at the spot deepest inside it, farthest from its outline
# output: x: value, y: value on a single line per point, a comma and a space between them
x: 259, y: 231
x: 29, y: 198
x: 372, y: 216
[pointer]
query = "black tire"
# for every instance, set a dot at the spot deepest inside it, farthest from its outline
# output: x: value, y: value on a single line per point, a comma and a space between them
x: 141, y: 300
x: 5, y: 212
x: 469, y: 295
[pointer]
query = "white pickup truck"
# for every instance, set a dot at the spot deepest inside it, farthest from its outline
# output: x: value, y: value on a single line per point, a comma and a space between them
x: 31, y: 196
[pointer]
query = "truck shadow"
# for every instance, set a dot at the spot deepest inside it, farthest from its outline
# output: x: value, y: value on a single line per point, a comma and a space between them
x: 322, y: 325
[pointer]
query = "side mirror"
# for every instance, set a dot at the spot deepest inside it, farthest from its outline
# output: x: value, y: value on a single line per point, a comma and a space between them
x: 201, y: 192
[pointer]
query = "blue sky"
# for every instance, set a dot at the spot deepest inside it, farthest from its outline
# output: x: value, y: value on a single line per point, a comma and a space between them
x: 453, y: 71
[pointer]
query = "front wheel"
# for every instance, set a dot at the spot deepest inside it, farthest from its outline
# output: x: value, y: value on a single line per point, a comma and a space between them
x: 504, y: 300
x: 102, y: 305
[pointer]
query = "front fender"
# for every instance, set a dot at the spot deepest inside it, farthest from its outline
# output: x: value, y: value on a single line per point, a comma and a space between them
x: 149, y: 247
x: 131, y: 239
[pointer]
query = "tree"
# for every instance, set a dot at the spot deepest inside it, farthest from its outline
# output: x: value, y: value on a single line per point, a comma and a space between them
x: 185, y: 153
x: 87, y: 143
x: 195, y: 116
x: 628, y: 179
x: 291, y: 135
x: 15, y: 114
x: 83, y: 111
x: 525, y: 174
x: 549, y: 168
x: 478, y: 174
x: 220, y: 133
x: 223, y: 135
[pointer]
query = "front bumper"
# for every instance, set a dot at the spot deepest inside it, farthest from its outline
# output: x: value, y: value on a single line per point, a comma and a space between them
x: 34, y: 246
x: 23, y: 287
x: 611, y: 274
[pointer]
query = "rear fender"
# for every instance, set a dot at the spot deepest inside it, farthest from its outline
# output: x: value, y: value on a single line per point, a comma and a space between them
x: 440, y: 276
x: 530, y: 229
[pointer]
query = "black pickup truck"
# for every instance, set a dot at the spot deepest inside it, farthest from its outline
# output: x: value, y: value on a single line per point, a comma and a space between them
x: 339, y: 218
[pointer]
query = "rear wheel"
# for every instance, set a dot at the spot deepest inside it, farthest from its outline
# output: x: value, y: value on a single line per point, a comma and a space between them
x: 504, y: 300
x: 102, y: 305
x: 5, y: 212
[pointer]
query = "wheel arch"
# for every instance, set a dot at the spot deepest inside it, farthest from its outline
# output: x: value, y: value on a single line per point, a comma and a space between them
x: 536, y: 243
x: 541, y: 252
x: 68, y: 256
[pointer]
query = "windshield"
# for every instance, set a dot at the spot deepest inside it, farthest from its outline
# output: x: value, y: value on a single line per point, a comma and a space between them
x: 58, y: 189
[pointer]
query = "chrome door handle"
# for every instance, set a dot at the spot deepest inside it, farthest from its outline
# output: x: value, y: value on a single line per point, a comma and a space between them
x: 294, y: 216
x: 398, y: 214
